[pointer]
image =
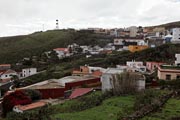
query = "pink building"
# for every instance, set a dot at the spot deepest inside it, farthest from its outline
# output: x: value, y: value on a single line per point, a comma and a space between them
x: 153, y: 65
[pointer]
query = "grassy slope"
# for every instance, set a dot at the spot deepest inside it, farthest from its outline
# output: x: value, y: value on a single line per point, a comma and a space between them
x: 107, y: 111
x: 17, y: 48
x: 171, y: 109
x: 13, y: 49
x: 168, y: 25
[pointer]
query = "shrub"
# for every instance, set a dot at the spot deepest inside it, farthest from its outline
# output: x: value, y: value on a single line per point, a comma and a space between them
x: 33, y: 94
x: 39, y: 114
x: 15, y: 98
x: 144, y: 98
x: 124, y: 83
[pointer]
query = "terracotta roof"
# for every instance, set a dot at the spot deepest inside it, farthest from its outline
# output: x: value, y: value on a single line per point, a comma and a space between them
x: 9, y: 71
x: 61, y: 49
x: 2, y: 65
x: 80, y: 92
x: 97, y: 73
x: 5, y: 80
x: 31, y: 106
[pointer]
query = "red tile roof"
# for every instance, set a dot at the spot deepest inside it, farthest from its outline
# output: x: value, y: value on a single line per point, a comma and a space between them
x: 2, y: 65
x: 61, y: 49
x: 9, y: 71
x: 80, y: 92
x: 5, y: 80
x: 97, y: 73
x: 31, y: 106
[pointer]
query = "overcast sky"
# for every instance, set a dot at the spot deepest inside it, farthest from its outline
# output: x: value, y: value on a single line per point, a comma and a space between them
x: 27, y: 16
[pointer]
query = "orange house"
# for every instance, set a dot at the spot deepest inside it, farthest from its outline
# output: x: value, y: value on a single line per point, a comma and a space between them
x: 84, y: 70
x: 135, y: 48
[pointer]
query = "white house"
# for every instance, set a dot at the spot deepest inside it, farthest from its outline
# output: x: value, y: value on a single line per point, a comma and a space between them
x: 175, y: 35
x: 5, y: 76
x: 62, y: 52
x: 28, y: 72
x: 136, y: 66
x: 177, y: 62
x: 85, y: 48
x: 121, y: 41
x: 134, y: 63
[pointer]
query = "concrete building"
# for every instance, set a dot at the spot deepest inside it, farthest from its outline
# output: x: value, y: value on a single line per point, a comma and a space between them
x: 151, y: 66
x: 5, y: 66
x: 168, y: 72
x: 135, y: 66
x: 28, y: 72
x: 177, y: 62
x: 106, y: 78
x: 133, y: 31
x: 124, y: 41
x: 5, y: 76
x: 136, y: 48
x: 87, y: 70
x: 175, y: 35
x: 56, y: 88
x: 62, y: 52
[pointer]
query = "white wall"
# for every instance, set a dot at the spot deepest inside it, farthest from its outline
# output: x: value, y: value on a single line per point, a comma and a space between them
x: 134, y: 64
x: 106, y: 82
x: 176, y: 35
x: 7, y: 76
x: 177, y: 59
x: 29, y: 71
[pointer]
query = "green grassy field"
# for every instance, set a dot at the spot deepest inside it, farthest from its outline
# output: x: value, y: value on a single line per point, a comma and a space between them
x: 107, y: 111
x: 171, y: 109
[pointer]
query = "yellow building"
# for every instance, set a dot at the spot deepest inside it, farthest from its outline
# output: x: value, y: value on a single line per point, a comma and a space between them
x: 135, y: 48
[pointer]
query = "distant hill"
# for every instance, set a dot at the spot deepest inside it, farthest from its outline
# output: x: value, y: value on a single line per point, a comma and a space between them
x: 167, y: 25
x: 15, y: 48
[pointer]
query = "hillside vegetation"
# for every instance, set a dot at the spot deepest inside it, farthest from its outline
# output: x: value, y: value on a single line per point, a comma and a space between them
x: 15, y: 48
x: 168, y: 25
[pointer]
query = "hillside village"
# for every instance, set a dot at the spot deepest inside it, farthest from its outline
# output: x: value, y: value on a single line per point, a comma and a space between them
x: 85, y: 79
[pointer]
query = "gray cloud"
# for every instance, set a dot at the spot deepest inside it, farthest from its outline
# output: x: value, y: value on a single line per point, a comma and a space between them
x: 26, y: 16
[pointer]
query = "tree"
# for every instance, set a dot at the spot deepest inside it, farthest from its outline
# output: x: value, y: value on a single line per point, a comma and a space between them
x: 16, y: 81
x: 33, y: 94
x: 53, y: 56
x: 124, y: 83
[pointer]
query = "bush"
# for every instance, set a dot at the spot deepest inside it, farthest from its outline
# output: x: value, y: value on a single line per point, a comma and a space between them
x: 82, y: 103
x: 39, y: 114
x: 144, y: 98
x: 124, y: 83
x: 33, y: 94
x: 15, y: 98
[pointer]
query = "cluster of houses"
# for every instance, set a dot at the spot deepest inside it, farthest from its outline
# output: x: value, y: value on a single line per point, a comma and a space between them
x: 7, y: 74
x: 86, y: 78
x: 132, y: 39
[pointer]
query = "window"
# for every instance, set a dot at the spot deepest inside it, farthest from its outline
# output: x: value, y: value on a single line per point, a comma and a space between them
x: 6, y: 75
x: 168, y: 77
x: 178, y: 77
x: 29, y: 71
